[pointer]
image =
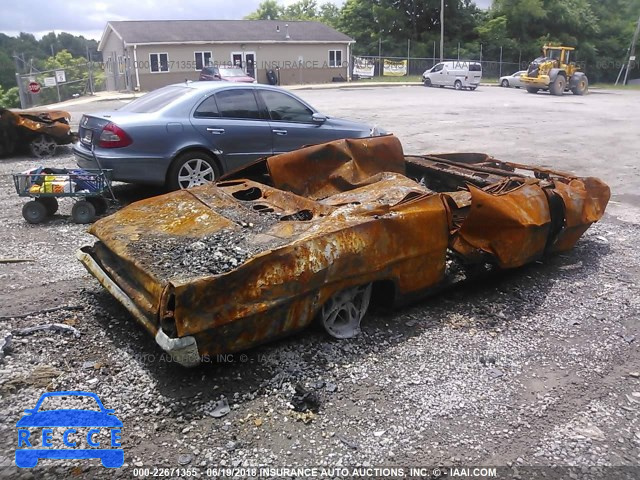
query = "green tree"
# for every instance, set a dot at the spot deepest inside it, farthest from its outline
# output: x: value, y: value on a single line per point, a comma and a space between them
x: 10, y: 98
x: 269, y: 9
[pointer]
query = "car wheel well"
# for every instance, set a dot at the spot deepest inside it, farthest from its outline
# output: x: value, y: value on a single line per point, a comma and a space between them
x: 383, y: 293
x: 193, y: 150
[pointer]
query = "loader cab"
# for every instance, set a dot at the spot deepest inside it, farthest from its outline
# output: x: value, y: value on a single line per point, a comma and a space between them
x: 561, y: 54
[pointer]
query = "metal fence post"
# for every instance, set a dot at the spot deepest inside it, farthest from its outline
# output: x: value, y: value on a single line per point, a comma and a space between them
x: 500, y: 61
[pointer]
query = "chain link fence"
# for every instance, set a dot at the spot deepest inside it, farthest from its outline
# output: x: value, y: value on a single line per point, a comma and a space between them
x: 417, y: 66
x: 52, y: 86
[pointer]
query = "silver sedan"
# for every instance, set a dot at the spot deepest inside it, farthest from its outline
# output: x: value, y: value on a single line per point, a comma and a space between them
x: 512, y: 80
x: 190, y: 133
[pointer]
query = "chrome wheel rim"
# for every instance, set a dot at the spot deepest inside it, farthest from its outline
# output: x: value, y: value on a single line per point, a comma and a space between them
x: 43, y: 146
x: 342, y: 314
x: 195, y: 172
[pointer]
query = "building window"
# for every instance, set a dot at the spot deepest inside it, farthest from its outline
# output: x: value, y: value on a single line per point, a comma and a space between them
x: 109, y: 65
x: 159, y: 62
x: 335, y: 58
x: 120, y: 65
x: 203, y: 59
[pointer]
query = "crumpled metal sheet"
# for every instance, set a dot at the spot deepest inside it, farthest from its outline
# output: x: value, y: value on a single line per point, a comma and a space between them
x: 20, y: 126
x: 308, y: 224
x: 323, y: 170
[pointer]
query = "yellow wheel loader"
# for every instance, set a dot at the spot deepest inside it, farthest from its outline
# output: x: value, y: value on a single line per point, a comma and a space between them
x: 555, y: 71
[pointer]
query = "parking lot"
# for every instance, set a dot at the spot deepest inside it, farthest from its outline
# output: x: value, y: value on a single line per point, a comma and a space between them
x: 534, y: 367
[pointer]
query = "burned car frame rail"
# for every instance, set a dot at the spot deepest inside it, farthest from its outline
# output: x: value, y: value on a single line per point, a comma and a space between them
x: 319, y: 232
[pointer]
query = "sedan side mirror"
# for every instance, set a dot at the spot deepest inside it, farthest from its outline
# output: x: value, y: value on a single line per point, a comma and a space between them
x: 318, y: 118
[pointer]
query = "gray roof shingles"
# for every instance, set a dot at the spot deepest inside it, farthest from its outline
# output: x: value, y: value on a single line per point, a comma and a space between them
x: 245, y: 31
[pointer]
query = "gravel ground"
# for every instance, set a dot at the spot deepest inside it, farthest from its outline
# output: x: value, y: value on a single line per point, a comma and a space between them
x: 533, y: 367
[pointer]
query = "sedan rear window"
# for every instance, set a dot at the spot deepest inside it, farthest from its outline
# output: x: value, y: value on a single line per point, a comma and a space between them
x: 154, y: 101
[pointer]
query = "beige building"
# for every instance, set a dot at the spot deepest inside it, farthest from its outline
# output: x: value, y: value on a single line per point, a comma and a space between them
x: 145, y: 55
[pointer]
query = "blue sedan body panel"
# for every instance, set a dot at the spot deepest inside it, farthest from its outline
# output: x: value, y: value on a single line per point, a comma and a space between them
x: 158, y: 137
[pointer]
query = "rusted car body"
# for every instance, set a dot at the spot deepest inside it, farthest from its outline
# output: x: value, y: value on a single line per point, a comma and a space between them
x: 312, y: 233
x: 39, y: 130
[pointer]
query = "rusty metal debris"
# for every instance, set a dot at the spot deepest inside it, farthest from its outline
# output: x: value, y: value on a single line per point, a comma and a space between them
x: 41, y: 131
x: 316, y: 233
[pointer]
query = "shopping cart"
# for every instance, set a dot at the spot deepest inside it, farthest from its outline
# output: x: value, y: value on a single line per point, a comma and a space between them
x: 87, y: 188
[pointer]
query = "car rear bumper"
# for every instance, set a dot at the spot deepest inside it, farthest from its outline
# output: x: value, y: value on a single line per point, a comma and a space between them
x: 149, y: 170
x: 183, y: 350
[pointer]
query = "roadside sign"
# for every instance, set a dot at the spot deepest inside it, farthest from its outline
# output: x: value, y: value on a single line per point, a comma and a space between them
x: 34, y: 87
x: 632, y: 58
x: 60, y: 76
x: 49, y: 81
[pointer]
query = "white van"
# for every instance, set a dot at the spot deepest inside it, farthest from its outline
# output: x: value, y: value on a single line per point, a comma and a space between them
x: 458, y: 74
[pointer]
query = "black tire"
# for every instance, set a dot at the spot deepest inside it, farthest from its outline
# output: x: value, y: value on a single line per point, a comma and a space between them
x: 34, y: 212
x: 457, y: 85
x: 472, y: 88
x: 427, y: 82
x: 557, y: 86
x: 582, y: 87
x: 204, y: 170
x: 99, y: 203
x: 83, y: 212
x: 504, y: 83
x: 532, y: 90
x: 50, y: 203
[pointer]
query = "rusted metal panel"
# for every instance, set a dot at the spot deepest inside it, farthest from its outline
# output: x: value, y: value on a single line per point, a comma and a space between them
x: 224, y: 267
x: 19, y: 127
x: 513, y: 227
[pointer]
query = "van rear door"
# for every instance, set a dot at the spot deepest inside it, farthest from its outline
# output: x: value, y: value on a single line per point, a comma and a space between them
x: 475, y: 73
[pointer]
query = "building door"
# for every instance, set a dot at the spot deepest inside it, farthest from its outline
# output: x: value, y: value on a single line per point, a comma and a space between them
x: 245, y: 60
x: 236, y: 59
x: 250, y: 64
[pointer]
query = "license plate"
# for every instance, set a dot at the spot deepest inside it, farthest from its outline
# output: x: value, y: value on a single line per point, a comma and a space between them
x: 87, y: 136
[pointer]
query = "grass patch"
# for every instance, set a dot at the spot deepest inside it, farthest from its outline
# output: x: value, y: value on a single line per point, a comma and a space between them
x: 611, y: 86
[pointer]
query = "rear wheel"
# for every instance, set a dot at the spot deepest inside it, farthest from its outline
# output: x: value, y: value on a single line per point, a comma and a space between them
x: 557, y: 87
x: 83, y: 212
x: 582, y: 87
x: 343, y: 312
x: 50, y: 203
x: 42, y: 146
x: 34, y: 212
x: 457, y: 85
x: 192, y: 169
x: 532, y: 89
x: 504, y: 83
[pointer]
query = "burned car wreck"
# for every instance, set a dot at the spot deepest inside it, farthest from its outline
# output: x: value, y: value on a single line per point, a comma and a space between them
x: 41, y: 131
x: 309, y: 235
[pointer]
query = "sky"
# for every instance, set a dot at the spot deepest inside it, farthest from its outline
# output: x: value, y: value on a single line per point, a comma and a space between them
x: 89, y: 17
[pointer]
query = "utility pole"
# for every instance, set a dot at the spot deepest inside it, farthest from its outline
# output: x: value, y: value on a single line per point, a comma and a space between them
x: 632, y: 52
x: 441, y: 30
x: 21, y: 92
x: 380, y: 53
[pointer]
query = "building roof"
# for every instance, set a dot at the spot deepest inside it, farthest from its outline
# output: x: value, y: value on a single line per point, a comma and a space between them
x: 222, y: 31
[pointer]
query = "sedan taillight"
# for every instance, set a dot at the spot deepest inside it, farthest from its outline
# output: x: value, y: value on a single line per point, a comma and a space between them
x: 113, y: 136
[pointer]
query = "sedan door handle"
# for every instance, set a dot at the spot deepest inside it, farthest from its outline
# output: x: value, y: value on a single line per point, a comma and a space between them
x: 279, y: 132
x: 216, y: 131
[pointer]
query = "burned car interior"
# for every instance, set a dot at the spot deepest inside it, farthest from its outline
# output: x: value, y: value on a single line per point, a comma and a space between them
x: 308, y: 235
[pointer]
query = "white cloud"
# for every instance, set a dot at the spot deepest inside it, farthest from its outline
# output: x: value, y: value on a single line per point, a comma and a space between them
x: 88, y: 18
